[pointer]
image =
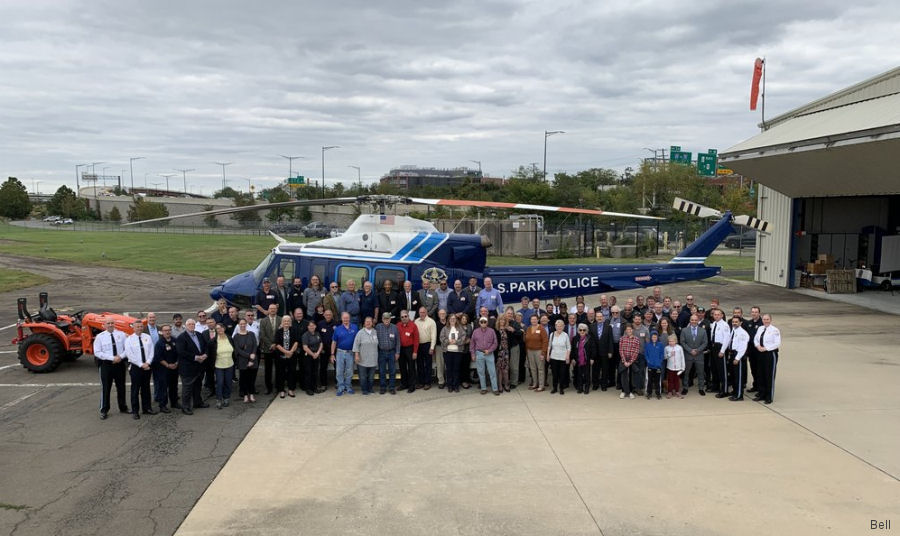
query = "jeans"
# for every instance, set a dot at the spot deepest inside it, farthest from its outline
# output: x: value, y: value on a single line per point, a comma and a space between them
x: 366, y: 377
x: 343, y: 366
x: 224, y: 378
x: 483, y: 361
x: 387, y: 369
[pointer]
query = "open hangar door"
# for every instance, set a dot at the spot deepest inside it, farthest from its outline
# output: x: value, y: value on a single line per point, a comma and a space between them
x: 845, y: 232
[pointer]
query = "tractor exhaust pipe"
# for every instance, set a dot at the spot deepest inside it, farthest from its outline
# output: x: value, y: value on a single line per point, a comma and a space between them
x: 43, y: 301
x: 22, y: 306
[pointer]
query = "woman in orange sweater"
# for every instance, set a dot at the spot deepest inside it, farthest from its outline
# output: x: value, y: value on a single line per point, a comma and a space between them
x: 536, y: 352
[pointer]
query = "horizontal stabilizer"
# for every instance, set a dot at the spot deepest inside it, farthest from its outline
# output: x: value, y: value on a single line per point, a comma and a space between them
x: 754, y: 223
x: 695, y: 209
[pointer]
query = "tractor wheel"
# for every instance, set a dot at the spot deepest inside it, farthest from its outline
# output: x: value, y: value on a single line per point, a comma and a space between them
x: 40, y: 353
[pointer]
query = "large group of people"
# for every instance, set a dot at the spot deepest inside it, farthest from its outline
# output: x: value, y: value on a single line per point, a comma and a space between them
x: 455, y: 338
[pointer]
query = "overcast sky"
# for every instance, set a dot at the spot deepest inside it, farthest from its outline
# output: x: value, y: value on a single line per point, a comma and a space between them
x: 185, y: 84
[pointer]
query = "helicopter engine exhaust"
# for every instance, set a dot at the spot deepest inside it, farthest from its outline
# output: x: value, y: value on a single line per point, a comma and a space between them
x: 486, y: 241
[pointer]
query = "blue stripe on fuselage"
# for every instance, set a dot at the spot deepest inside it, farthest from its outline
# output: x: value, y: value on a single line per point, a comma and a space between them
x: 409, y: 246
x: 425, y: 247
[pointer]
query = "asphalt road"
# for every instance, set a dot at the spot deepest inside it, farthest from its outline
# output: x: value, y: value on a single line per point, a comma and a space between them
x: 67, y: 472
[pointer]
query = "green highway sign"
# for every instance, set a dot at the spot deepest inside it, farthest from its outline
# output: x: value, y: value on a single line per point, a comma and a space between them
x: 299, y: 180
x: 707, y: 163
x: 681, y: 157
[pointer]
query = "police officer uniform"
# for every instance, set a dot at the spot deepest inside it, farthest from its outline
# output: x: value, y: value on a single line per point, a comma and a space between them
x: 139, y: 351
x: 165, y: 379
x: 719, y: 339
x: 769, y: 337
x: 737, y: 351
x: 109, y: 349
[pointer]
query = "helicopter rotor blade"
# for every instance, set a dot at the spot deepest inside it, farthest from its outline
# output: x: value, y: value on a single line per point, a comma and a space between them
x: 525, y: 206
x: 252, y: 208
x: 762, y: 226
x: 695, y: 209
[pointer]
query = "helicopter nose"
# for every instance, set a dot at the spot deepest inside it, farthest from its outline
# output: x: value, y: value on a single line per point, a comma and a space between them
x: 486, y: 241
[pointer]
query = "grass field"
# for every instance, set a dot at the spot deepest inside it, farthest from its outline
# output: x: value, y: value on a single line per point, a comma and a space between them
x: 213, y: 256
x: 16, y: 279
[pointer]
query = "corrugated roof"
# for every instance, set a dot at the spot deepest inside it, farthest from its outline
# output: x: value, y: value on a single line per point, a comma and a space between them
x: 860, y: 117
x: 882, y: 85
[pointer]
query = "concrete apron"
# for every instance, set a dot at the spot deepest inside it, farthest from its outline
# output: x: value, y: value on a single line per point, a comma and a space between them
x: 821, y: 459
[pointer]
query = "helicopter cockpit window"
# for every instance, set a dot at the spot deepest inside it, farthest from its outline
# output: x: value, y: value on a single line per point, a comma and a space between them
x: 357, y: 273
x: 385, y: 273
x: 260, y: 271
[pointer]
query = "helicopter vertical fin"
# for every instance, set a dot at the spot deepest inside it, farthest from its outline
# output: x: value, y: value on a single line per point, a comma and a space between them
x: 698, y: 251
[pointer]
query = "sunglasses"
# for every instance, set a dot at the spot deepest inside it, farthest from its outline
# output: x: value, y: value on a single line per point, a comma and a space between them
x: 582, y: 330
x: 482, y: 321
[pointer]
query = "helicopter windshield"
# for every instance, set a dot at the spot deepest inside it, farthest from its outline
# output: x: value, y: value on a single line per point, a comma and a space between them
x: 260, y: 271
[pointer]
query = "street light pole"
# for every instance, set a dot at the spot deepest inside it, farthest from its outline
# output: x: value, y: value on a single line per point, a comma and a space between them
x: 167, y: 176
x: 131, y: 167
x: 184, y: 176
x: 358, y: 178
x: 325, y: 148
x: 223, y: 164
x: 547, y: 134
x: 290, y: 160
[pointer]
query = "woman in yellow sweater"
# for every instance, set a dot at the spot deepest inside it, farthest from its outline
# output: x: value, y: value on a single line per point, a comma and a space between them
x: 224, y: 367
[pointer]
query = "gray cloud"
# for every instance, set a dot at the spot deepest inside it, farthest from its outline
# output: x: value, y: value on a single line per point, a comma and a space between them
x: 185, y: 84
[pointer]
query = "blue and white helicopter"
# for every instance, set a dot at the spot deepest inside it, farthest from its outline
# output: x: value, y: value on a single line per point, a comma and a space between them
x: 379, y: 246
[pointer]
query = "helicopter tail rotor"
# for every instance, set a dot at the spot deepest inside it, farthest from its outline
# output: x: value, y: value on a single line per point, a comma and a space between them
x: 754, y: 223
x: 695, y: 209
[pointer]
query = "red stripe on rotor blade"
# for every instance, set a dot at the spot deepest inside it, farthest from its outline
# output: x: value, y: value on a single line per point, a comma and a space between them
x: 580, y: 210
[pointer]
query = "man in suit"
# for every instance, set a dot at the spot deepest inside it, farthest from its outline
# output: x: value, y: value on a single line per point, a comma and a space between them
x: 267, y: 327
x: 281, y: 296
x: 602, y: 334
x: 694, y: 341
x: 191, y: 347
x: 428, y: 297
x: 331, y: 300
x: 409, y: 300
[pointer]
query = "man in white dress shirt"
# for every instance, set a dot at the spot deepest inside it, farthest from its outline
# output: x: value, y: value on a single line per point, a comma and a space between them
x: 740, y: 342
x: 109, y: 349
x: 719, y: 339
x: 767, y: 341
x: 139, y: 352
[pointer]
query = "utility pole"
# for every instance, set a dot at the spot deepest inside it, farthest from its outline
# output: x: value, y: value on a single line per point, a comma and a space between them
x: 184, y: 177
x: 77, y: 186
x: 290, y: 160
x: 325, y: 148
x: 223, y: 164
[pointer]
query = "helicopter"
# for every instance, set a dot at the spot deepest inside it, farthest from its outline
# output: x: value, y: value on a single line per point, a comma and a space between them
x: 379, y: 246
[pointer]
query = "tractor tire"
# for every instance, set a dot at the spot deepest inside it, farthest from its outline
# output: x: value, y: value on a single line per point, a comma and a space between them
x: 40, y: 353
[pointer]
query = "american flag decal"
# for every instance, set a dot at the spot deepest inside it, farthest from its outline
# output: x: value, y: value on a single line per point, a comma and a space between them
x: 387, y: 220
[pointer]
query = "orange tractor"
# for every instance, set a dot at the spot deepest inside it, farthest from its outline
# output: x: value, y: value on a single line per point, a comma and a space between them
x: 56, y: 338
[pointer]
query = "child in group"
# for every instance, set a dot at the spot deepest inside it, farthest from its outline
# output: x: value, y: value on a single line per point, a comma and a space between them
x: 674, y: 367
x: 654, y: 353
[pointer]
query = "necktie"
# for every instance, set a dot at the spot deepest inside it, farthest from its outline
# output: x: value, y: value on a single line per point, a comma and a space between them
x: 761, y: 335
x: 143, y: 355
x: 714, y: 332
x: 116, y: 351
x: 694, y: 332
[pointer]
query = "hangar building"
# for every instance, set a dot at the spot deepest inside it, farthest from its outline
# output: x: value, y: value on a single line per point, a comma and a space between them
x: 829, y: 175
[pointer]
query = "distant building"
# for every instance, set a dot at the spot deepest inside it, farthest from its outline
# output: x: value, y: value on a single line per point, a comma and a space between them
x: 406, y: 177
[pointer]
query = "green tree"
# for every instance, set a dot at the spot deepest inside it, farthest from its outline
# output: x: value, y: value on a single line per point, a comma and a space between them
x: 114, y: 215
x: 64, y: 203
x: 210, y: 219
x: 14, y: 202
x: 228, y: 191
x: 147, y: 210
x: 303, y: 214
x: 247, y: 219
x: 277, y: 195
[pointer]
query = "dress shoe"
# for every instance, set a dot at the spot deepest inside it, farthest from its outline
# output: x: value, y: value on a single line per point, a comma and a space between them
x: 187, y: 411
x: 309, y: 392
x: 136, y: 416
x: 440, y: 386
x: 176, y: 405
x: 218, y: 404
x: 427, y: 387
x: 124, y: 409
x: 484, y: 391
x: 603, y: 388
x: 202, y: 405
x: 768, y: 402
x: 268, y: 391
x: 393, y: 391
x: 553, y: 392
x: 757, y: 398
x: 684, y: 391
x: 562, y: 392
x: 164, y: 409
x: 103, y: 416
x: 702, y: 392
x: 735, y: 398
x: 752, y: 390
x: 721, y: 395
x: 513, y: 386
x: 411, y: 390
x: 496, y: 393
x: 149, y: 412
